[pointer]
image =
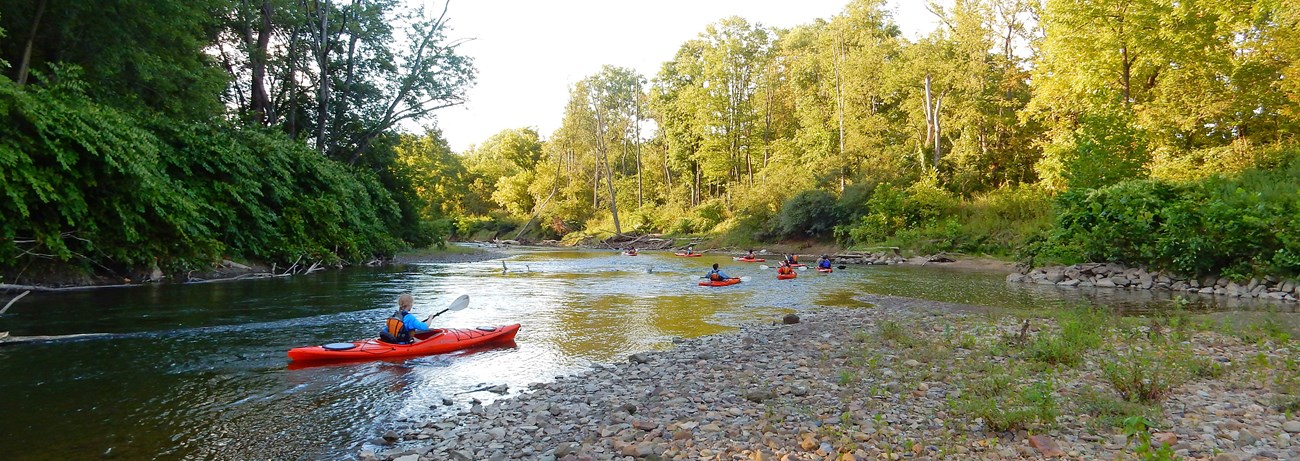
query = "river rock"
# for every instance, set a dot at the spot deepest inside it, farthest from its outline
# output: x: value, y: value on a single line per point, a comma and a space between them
x: 1291, y: 427
x: 790, y: 319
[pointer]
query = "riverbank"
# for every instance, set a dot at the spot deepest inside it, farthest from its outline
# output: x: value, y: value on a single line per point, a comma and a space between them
x: 454, y: 253
x: 904, y: 379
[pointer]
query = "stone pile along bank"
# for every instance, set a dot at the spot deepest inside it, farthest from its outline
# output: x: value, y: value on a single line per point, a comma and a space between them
x: 1117, y: 276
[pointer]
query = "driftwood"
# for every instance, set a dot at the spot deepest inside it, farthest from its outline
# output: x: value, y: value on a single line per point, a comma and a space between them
x: 5, y: 338
x: 12, y: 301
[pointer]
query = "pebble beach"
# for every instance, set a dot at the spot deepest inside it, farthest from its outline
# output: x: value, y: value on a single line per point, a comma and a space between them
x: 900, y: 379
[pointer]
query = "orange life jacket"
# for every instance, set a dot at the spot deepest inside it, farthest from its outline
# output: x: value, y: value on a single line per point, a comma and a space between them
x: 395, y: 326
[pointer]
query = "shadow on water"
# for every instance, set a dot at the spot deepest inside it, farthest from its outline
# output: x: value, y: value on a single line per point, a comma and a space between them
x: 199, y: 371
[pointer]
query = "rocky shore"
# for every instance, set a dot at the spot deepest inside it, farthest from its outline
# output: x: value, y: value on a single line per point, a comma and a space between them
x: 904, y: 379
x: 1118, y: 276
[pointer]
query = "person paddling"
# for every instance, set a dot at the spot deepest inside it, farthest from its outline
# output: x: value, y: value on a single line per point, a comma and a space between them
x: 784, y: 269
x: 402, y: 325
x: 750, y: 255
x: 825, y: 263
x: 716, y: 274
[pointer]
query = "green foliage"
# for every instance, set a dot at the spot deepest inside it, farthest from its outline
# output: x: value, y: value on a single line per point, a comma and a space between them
x: 1138, y: 430
x: 1005, y: 403
x: 1111, y: 411
x: 100, y: 189
x: 1236, y: 225
x: 1081, y: 331
x: 811, y: 213
x: 1143, y: 376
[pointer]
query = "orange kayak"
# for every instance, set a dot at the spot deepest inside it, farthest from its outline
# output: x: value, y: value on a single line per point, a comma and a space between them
x: 692, y: 255
x: 720, y: 283
x: 825, y: 271
x: 436, y: 341
x: 751, y: 260
x: 786, y: 276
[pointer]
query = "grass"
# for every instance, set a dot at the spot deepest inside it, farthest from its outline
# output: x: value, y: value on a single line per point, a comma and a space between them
x: 1005, y: 375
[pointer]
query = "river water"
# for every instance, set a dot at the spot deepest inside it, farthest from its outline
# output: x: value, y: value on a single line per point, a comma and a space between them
x: 199, y: 371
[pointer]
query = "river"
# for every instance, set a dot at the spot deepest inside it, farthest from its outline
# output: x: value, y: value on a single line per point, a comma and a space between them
x: 199, y: 371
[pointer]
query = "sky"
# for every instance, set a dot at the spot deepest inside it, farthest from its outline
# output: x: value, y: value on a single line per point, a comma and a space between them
x: 529, y: 53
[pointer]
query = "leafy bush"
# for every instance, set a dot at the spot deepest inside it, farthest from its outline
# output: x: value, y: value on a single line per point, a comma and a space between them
x: 811, y: 213
x: 1237, y: 226
x: 1006, y: 405
x: 1143, y: 376
x: 94, y: 188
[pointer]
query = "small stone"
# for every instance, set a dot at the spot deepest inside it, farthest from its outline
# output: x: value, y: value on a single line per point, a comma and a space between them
x: 391, y: 436
x: 1046, y: 446
x: 790, y: 319
x: 639, y: 357
x: 1291, y: 427
x: 407, y: 458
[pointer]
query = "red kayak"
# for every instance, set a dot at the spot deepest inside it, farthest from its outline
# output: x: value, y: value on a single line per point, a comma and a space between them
x: 786, y: 276
x: 798, y: 265
x: 692, y: 255
x: 751, y: 260
x: 720, y: 283
x: 825, y: 270
x: 436, y: 341
x: 629, y: 254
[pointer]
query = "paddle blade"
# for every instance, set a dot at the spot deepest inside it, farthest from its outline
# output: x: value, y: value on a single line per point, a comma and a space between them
x: 745, y: 278
x: 763, y: 267
x: 803, y: 268
x: 460, y: 303
x: 843, y: 267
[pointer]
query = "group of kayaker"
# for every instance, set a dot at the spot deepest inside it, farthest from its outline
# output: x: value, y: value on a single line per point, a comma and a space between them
x: 785, y: 267
x: 401, y: 327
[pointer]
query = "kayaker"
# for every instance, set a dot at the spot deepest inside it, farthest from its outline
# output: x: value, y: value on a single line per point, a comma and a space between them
x: 825, y: 263
x: 784, y: 269
x: 750, y: 255
x: 716, y: 274
x: 792, y: 259
x: 690, y: 249
x: 400, y: 327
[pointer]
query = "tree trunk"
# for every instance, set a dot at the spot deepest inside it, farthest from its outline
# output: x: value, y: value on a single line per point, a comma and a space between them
x: 640, y: 200
x: 25, y: 66
x: 322, y: 61
x: 839, y: 108
x: 260, y: 100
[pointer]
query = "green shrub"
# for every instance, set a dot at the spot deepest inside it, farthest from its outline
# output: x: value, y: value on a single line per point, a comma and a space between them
x: 1143, y: 375
x: 811, y: 213
x: 94, y: 188
x: 1005, y: 405
x: 1238, y: 226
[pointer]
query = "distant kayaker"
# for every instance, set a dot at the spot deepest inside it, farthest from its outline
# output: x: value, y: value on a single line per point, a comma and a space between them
x: 690, y: 249
x: 784, y: 269
x: 792, y: 259
x: 825, y: 263
x: 400, y: 327
x: 716, y: 274
x: 750, y: 255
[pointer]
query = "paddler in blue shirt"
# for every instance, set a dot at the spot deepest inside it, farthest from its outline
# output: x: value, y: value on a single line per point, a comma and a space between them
x: 402, y: 325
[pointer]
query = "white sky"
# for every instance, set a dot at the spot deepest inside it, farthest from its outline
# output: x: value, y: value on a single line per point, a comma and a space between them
x: 529, y: 52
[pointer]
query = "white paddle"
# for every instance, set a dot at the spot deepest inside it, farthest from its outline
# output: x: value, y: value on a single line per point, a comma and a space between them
x: 460, y: 303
